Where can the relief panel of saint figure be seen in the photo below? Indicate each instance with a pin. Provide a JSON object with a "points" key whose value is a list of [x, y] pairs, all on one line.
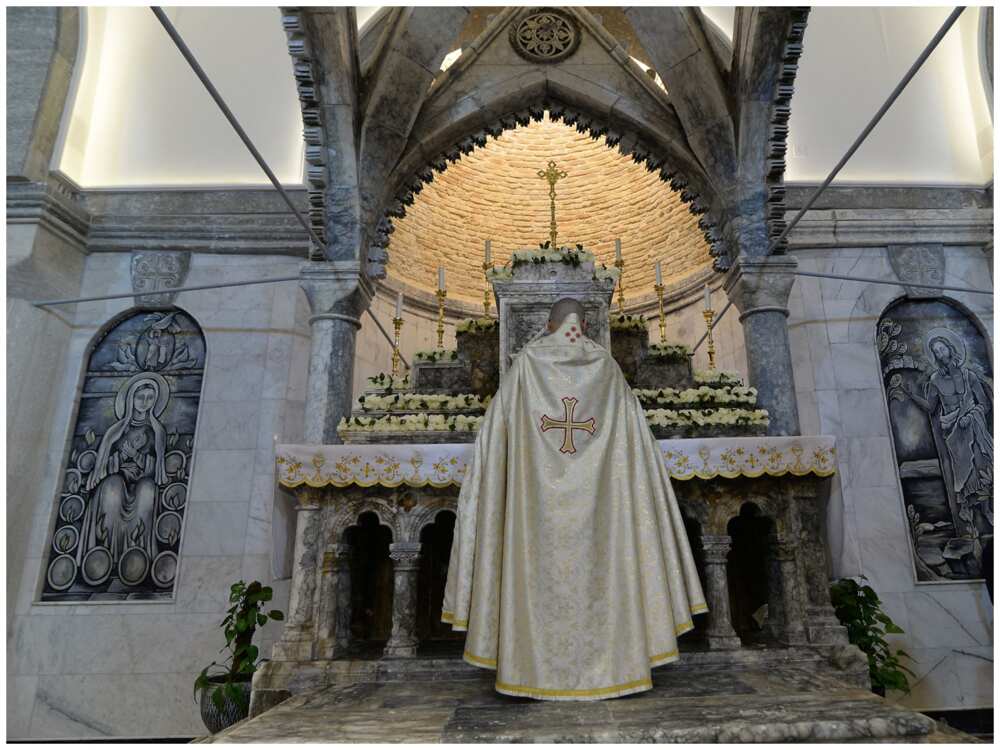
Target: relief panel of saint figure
{"points": [[121, 509], [935, 365]]}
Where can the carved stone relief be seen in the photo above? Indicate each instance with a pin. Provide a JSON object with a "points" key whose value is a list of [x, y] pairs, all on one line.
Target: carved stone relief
{"points": [[121, 508], [938, 381], [918, 264], [545, 35], [152, 272]]}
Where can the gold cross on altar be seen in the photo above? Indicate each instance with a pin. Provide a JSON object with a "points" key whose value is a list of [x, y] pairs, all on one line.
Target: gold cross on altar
{"points": [[568, 425], [552, 175]]}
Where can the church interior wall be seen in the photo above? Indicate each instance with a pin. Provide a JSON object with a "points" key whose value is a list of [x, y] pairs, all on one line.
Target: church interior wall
{"points": [[832, 329], [126, 669]]}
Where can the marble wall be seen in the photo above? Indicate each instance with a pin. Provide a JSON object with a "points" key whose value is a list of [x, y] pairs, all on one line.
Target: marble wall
{"points": [[948, 626], [126, 669]]}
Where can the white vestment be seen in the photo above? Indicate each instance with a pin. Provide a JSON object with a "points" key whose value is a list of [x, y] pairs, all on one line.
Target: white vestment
{"points": [[570, 567]]}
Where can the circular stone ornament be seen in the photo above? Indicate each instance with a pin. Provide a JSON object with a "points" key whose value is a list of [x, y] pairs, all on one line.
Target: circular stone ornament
{"points": [[96, 566], [62, 572], [545, 35], [164, 569], [133, 566]]}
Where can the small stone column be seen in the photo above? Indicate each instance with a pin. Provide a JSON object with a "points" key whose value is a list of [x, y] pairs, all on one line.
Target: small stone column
{"points": [[759, 289], [720, 624], [338, 295], [406, 564], [792, 606], [335, 602], [297, 640]]}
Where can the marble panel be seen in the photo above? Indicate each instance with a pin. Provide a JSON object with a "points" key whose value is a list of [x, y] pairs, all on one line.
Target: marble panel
{"points": [[798, 344], [228, 425], [808, 411], [838, 314], [234, 342], [174, 642], [974, 668], [855, 366], [942, 617], [298, 372], [828, 406], [65, 645], [235, 378], [871, 461], [284, 313], [96, 706], [20, 701], [205, 581], [862, 413], [821, 357], [222, 476], [216, 529], [935, 683], [274, 382]]}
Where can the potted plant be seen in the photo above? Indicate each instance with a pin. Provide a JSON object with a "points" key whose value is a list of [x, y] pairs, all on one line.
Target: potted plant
{"points": [[859, 609], [224, 689]]}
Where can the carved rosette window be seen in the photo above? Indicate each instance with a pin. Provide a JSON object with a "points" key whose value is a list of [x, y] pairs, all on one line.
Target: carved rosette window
{"points": [[545, 35], [938, 381], [121, 507]]}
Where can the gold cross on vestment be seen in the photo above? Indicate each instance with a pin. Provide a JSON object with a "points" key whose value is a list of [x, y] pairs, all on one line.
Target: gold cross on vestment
{"points": [[553, 176], [568, 425]]}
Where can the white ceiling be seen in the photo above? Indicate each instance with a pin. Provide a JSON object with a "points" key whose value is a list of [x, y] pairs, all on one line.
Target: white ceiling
{"points": [[140, 117]]}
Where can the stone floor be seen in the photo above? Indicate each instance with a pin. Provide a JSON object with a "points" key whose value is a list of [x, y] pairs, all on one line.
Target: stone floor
{"points": [[773, 703]]}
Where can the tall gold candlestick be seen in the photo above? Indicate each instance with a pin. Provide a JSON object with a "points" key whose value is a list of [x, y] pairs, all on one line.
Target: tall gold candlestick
{"points": [[709, 315], [663, 320], [397, 324], [620, 265], [441, 294], [486, 293]]}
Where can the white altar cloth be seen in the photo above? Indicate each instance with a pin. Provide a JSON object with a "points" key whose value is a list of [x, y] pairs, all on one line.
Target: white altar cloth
{"points": [[444, 464]]}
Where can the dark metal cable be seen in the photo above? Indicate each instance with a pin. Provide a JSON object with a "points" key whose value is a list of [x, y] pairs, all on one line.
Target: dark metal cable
{"points": [[949, 22]]}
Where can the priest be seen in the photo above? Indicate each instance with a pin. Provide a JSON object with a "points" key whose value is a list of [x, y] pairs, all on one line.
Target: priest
{"points": [[570, 567]]}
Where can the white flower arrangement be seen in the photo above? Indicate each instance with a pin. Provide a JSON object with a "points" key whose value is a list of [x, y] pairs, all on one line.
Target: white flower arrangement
{"points": [[717, 378], [663, 350], [435, 355], [476, 324], [604, 272], [411, 423], [627, 323], [385, 381], [414, 402], [545, 254], [703, 396], [501, 273], [707, 417]]}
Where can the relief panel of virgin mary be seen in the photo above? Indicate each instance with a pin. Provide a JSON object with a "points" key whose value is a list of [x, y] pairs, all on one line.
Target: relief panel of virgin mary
{"points": [[121, 509]]}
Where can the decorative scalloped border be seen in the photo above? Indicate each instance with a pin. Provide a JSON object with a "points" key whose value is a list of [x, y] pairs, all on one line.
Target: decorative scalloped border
{"points": [[307, 83], [781, 110]]}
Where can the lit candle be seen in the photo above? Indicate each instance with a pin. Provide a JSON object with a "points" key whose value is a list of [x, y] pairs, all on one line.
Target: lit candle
{"points": [[618, 250], [488, 248], [441, 278], [399, 305], [708, 297], [659, 274]]}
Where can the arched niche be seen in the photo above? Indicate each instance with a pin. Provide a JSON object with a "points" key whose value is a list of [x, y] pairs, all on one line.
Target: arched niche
{"points": [[121, 506], [938, 381]]}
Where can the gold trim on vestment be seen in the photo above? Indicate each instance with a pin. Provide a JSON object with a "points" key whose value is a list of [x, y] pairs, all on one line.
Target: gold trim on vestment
{"points": [[634, 686], [480, 661]]}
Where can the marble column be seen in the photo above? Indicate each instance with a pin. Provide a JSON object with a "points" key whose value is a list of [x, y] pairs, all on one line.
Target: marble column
{"points": [[822, 625], [297, 640], [792, 625], [759, 289], [338, 295], [335, 602], [720, 624], [406, 564]]}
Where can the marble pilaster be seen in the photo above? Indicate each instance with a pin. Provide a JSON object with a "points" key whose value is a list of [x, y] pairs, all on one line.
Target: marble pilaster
{"points": [[406, 565], [759, 289], [297, 639], [720, 624], [334, 619], [338, 295]]}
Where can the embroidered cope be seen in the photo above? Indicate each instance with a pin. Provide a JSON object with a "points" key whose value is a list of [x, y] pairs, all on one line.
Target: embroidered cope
{"points": [[570, 567]]}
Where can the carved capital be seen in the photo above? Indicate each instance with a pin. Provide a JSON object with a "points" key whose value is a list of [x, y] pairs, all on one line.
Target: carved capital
{"points": [[336, 290], [761, 284], [716, 548], [405, 555]]}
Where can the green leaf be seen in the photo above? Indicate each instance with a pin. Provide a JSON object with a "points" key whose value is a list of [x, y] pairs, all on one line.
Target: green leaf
{"points": [[276, 614]]}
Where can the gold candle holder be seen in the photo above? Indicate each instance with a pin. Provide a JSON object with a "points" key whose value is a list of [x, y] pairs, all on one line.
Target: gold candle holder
{"points": [[709, 315], [620, 265], [441, 294], [397, 324], [663, 319], [486, 293]]}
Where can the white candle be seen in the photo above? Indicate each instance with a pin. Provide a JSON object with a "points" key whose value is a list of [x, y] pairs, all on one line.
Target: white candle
{"points": [[618, 249], [399, 305], [441, 278], [708, 297], [659, 274], [488, 248]]}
